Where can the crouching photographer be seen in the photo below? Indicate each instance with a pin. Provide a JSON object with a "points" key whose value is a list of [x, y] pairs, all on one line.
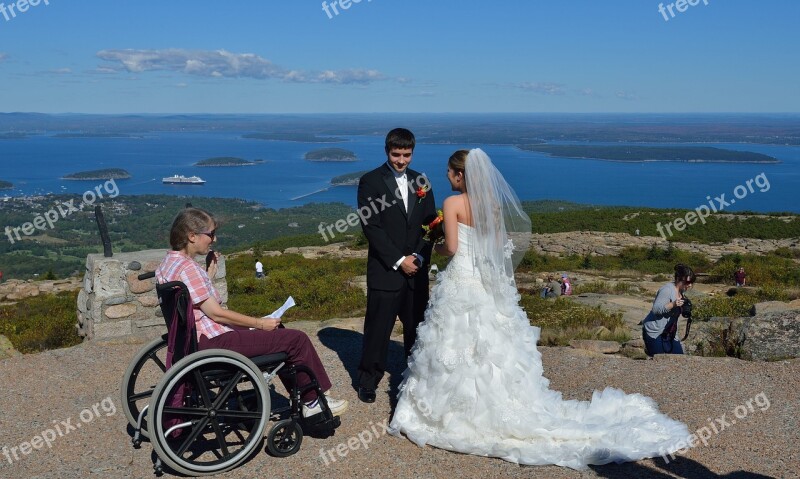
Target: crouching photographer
{"points": [[660, 326]]}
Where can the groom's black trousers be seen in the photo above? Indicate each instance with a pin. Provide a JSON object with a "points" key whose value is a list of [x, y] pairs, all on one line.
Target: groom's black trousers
{"points": [[383, 307]]}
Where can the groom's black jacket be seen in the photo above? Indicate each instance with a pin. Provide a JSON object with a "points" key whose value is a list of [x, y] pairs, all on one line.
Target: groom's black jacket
{"points": [[391, 231]]}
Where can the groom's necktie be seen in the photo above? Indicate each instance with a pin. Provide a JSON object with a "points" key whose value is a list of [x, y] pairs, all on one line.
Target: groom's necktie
{"points": [[402, 185]]}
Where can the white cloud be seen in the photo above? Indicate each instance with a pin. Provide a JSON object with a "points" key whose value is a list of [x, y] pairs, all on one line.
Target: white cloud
{"points": [[225, 64], [102, 71], [624, 95], [544, 88]]}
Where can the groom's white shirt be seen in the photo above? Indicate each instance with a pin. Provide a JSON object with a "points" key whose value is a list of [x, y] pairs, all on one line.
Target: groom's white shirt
{"points": [[402, 186]]}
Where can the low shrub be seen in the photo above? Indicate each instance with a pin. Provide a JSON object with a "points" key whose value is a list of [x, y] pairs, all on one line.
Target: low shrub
{"points": [[562, 320], [41, 323], [321, 287], [777, 268], [604, 287]]}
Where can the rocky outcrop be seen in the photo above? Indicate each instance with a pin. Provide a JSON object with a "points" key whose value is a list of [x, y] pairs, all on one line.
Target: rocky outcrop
{"points": [[769, 336], [15, 289], [595, 243], [115, 303], [336, 250]]}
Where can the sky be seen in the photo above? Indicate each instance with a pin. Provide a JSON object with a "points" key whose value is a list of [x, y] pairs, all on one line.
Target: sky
{"points": [[343, 56]]}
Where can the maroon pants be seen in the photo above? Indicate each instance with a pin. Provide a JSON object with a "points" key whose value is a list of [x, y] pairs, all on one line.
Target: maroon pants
{"points": [[290, 341]]}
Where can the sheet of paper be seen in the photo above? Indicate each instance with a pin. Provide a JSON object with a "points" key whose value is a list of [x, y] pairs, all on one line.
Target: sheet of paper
{"points": [[279, 312]]}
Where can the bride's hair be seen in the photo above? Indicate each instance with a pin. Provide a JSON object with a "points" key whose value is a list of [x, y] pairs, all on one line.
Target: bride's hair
{"points": [[458, 162]]}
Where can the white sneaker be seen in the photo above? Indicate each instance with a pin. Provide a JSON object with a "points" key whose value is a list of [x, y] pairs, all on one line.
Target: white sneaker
{"points": [[337, 407]]}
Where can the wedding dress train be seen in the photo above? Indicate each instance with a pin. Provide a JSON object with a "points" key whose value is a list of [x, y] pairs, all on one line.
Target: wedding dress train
{"points": [[475, 385]]}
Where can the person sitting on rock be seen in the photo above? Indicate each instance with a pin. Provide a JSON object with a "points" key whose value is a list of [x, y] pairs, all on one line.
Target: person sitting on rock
{"points": [[552, 289], [566, 286]]}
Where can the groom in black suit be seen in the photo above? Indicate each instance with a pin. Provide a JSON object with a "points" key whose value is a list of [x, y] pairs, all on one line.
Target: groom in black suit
{"points": [[393, 202]]}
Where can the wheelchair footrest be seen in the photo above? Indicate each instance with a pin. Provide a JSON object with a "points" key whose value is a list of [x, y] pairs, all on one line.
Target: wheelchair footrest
{"points": [[320, 425]]}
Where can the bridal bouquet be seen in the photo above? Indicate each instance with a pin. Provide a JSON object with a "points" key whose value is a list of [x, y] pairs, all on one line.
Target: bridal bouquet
{"points": [[434, 231]]}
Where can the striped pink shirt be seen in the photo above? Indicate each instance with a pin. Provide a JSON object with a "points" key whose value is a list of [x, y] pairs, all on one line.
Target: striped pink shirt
{"points": [[177, 266]]}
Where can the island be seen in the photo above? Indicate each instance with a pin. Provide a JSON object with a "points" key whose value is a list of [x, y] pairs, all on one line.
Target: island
{"points": [[106, 174], [640, 154], [227, 161], [13, 135], [298, 137], [331, 154], [95, 135], [5, 185], [349, 179]]}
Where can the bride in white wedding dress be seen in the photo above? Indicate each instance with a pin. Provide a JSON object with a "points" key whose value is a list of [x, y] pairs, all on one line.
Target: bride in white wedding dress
{"points": [[475, 383]]}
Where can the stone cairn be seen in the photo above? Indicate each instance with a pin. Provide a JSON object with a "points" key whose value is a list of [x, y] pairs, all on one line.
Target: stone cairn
{"points": [[114, 303]]}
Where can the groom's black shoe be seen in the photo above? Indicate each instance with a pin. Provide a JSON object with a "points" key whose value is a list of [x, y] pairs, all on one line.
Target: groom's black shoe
{"points": [[366, 395]]}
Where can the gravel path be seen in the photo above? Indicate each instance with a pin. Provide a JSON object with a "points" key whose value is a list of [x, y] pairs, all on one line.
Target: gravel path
{"points": [[41, 391]]}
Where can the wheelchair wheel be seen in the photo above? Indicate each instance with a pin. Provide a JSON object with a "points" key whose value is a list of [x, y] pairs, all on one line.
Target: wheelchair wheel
{"points": [[285, 438], [139, 381], [224, 410]]}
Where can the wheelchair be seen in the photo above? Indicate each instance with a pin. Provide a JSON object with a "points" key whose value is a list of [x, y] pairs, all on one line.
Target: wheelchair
{"points": [[206, 412]]}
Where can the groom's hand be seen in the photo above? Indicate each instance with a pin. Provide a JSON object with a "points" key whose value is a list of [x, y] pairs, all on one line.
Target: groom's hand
{"points": [[408, 265]]}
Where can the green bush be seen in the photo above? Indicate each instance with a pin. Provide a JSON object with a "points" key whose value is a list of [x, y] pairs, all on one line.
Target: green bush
{"points": [[773, 269], [562, 320], [738, 305], [723, 307], [645, 260], [41, 323], [321, 287], [604, 287]]}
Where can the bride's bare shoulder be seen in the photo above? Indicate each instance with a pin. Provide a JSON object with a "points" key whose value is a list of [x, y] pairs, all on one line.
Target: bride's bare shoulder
{"points": [[459, 206]]}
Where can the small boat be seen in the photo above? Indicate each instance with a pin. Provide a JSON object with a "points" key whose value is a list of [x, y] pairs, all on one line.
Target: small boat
{"points": [[183, 180]]}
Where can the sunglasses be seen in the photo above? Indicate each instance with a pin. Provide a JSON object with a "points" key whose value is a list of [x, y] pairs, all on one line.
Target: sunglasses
{"points": [[211, 234]]}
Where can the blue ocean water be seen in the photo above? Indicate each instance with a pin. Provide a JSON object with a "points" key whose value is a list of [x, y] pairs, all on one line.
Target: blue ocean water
{"points": [[285, 179]]}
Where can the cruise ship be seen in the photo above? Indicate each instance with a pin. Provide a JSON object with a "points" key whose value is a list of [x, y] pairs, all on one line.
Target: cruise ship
{"points": [[183, 180]]}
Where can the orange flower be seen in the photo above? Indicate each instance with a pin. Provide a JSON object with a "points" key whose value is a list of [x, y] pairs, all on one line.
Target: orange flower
{"points": [[422, 192], [435, 229]]}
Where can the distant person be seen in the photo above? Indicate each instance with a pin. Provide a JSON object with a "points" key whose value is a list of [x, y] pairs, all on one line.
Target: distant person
{"points": [[637, 231], [661, 324], [552, 289], [259, 269], [566, 286], [1, 276], [739, 277]]}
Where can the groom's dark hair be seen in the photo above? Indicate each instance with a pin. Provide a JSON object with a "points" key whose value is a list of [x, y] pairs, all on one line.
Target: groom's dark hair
{"points": [[400, 138]]}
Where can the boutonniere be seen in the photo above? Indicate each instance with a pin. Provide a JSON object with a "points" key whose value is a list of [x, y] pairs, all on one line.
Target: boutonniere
{"points": [[422, 192]]}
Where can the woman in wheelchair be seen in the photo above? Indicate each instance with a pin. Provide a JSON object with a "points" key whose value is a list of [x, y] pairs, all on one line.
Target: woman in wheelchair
{"points": [[192, 233]]}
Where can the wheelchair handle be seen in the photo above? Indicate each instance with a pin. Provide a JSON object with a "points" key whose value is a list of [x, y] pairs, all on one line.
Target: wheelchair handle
{"points": [[144, 276]]}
